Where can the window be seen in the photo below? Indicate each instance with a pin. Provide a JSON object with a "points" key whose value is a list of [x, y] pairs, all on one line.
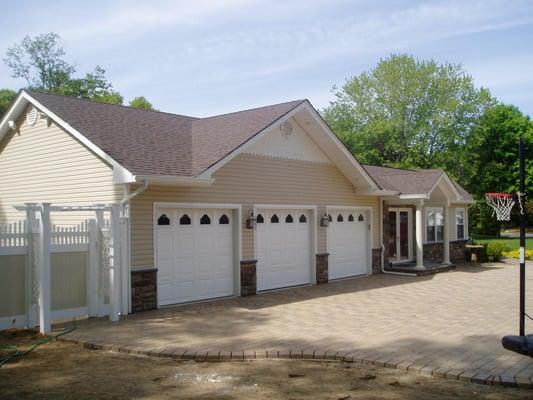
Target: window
{"points": [[289, 219], [350, 218], [185, 220], [340, 218], [223, 220], [460, 223], [205, 220], [303, 219], [163, 220], [274, 219], [434, 224], [361, 218], [260, 219]]}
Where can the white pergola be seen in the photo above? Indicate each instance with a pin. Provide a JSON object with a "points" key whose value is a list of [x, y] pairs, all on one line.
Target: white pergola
{"points": [[39, 231]]}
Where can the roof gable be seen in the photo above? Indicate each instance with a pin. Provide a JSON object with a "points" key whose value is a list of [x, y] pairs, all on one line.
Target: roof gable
{"points": [[415, 182], [294, 144], [143, 144]]}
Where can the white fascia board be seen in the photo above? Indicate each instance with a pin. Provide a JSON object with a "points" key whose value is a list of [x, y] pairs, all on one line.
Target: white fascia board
{"points": [[341, 146], [378, 193], [414, 196], [243, 147], [467, 202], [450, 184], [12, 113], [120, 174], [170, 180]]}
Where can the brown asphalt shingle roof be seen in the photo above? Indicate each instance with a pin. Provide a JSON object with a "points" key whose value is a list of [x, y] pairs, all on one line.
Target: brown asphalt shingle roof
{"points": [[156, 143], [408, 181]]}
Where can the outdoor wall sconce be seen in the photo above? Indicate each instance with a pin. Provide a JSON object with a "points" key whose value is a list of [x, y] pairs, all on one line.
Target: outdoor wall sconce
{"points": [[251, 221], [324, 221]]}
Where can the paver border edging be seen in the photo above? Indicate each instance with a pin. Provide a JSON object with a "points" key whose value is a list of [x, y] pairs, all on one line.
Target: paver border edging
{"points": [[356, 357]]}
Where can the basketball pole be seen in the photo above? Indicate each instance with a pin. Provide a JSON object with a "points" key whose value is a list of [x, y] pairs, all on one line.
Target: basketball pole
{"points": [[522, 151]]}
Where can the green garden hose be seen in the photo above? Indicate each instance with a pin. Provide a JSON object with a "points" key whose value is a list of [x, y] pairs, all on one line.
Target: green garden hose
{"points": [[16, 353]]}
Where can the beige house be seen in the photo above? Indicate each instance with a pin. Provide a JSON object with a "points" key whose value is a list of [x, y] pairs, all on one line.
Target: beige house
{"points": [[228, 205]]}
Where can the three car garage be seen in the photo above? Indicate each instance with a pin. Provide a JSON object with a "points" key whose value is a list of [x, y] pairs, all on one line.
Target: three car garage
{"points": [[197, 249]]}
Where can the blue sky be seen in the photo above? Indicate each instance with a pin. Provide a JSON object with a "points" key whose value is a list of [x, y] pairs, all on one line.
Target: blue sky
{"points": [[206, 57]]}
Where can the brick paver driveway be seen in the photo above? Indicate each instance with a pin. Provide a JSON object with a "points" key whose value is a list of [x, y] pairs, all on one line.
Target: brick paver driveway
{"points": [[448, 325]]}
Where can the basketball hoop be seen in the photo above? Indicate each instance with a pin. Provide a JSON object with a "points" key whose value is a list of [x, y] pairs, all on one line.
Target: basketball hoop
{"points": [[502, 204]]}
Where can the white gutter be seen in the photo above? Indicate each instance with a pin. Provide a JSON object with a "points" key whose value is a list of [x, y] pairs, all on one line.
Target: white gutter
{"points": [[172, 180], [383, 270]]}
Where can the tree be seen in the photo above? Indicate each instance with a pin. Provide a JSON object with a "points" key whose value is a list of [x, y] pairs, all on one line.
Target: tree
{"points": [[6, 97], [408, 113], [39, 61], [141, 102], [493, 158]]}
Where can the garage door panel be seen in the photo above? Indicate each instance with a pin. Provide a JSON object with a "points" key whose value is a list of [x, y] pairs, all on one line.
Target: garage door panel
{"points": [[195, 255], [183, 267], [165, 269], [184, 242], [165, 293], [347, 244], [283, 249]]}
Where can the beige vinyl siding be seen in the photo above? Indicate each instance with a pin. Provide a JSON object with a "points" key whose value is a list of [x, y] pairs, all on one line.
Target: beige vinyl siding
{"points": [[249, 180], [45, 163]]}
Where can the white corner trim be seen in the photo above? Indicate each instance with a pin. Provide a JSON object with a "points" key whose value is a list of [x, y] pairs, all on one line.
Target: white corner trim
{"points": [[21, 102]]}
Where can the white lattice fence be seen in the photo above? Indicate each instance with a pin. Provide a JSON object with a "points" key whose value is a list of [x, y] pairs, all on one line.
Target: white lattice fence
{"points": [[47, 254]]}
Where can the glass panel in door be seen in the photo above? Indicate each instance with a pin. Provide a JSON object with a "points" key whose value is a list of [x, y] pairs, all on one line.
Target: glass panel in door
{"points": [[393, 254], [404, 235]]}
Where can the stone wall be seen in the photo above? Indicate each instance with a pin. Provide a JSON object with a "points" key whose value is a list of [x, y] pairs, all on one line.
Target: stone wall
{"points": [[458, 250], [248, 278], [144, 290], [322, 268], [434, 252], [376, 261]]}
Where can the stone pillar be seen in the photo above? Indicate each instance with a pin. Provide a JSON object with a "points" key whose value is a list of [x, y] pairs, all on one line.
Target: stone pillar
{"points": [[376, 261], [322, 269], [143, 289], [419, 234], [248, 278], [446, 235]]}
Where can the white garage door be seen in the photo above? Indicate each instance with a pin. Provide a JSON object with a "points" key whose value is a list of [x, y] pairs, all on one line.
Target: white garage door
{"points": [[347, 243], [283, 248], [194, 254]]}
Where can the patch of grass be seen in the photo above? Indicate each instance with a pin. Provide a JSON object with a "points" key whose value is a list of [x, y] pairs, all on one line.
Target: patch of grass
{"points": [[511, 243]]}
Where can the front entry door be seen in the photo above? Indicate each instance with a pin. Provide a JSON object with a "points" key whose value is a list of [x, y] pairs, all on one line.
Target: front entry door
{"points": [[400, 235]]}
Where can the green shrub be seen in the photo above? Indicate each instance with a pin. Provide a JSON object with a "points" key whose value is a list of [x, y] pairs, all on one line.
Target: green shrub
{"points": [[495, 251]]}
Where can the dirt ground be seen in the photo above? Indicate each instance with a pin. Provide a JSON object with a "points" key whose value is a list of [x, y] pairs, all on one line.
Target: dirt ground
{"points": [[61, 370]]}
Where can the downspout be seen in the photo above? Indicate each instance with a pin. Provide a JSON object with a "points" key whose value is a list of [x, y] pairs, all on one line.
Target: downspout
{"points": [[383, 270]]}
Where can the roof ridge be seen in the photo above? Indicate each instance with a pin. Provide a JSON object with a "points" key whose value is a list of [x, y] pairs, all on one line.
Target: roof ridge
{"points": [[407, 170], [253, 108], [30, 92]]}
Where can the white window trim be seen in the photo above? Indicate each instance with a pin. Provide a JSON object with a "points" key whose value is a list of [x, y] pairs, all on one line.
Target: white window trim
{"points": [[465, 223], [426, 212]]}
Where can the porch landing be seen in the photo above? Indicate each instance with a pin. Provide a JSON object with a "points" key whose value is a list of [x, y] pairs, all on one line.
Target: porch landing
{"points": [[428, 268]]}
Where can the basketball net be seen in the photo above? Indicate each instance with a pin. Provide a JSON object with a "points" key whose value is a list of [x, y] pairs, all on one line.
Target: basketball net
{"points": [[502, 204]]}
